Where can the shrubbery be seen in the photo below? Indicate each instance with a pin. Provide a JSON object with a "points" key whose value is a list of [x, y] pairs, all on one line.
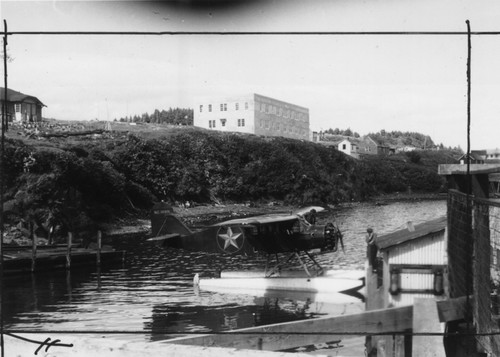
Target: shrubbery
{"points": [[97, 180]]}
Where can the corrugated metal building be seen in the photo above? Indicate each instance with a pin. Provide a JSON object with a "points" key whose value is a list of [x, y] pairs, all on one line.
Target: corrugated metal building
{"points": [[413, 264]]}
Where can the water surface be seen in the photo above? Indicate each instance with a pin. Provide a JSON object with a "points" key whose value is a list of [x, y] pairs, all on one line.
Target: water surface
{"points": [[151, 296]]}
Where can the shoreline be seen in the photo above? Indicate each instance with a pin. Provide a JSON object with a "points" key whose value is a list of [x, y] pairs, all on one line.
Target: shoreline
{"points": [[204, 215]]}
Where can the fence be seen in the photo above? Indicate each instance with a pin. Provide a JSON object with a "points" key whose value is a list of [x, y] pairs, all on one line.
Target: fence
{"points": [[474, 263]]}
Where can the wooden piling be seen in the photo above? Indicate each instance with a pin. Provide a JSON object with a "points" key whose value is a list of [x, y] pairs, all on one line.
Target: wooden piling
{"points": [[68, 251], [99, 247], [33, 252]]}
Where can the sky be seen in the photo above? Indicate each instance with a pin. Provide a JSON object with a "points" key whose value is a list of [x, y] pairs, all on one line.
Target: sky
{"points": [[362, 81]]}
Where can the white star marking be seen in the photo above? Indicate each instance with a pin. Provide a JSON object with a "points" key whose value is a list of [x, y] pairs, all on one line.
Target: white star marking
{"points": [[230, 238]]}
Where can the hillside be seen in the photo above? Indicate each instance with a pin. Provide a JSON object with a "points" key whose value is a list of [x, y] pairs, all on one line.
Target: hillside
{"points": [[89, 175]]}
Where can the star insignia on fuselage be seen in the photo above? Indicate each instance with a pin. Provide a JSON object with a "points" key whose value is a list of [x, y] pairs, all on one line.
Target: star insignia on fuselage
{"points": [[232, 240]]}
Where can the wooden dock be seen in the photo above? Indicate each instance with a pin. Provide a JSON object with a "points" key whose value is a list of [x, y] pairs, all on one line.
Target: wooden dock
{"points": [[34, 258], [21, 261]]}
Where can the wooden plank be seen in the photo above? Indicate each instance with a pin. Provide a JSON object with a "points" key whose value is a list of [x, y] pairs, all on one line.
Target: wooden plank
{"points": [[426, 320], [452, 309], [300, 333], [94, 345]]}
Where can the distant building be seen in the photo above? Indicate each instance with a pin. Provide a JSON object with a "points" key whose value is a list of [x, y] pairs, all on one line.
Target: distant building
{"points": [[357, 147], [350, 147], [490, 156], [475, 157], [369, 146], [253, 114], [493, 155], [406, 149], [21, 107]]}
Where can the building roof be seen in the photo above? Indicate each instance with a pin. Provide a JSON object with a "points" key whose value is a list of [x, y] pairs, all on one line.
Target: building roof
{"points": [[478, 156], [15, 96], [404, 235], [461, 169]]}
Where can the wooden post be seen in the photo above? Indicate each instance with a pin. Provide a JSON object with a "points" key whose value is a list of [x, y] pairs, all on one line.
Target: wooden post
{"points": [[33, 252], [99, 246], [68, 251]]}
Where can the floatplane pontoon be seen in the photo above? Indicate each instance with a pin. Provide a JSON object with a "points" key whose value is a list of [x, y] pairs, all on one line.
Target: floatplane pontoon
{"points": [[333, 286]]}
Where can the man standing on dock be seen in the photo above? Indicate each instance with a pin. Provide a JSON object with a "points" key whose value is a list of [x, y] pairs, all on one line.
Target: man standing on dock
{"points": [[372, 249]]}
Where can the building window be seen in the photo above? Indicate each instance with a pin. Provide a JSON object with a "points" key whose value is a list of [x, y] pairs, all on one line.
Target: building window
{"points": [[263, 108], [246, 105], [17, 107], [241, 122], [223, 107], [211, 123], [223, 122], [201, 108], [280, 112], [210, 107], [237, 106]]}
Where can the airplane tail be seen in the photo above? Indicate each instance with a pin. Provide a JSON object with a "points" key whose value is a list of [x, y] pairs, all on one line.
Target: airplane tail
{"points": [[170, 224], [163, 221]]}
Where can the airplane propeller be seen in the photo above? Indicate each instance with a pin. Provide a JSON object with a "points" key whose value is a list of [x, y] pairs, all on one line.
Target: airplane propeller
{"points": [[341, 238]]}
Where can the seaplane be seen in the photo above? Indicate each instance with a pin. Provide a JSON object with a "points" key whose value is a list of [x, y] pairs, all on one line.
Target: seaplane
{"points": [[293, 234]]}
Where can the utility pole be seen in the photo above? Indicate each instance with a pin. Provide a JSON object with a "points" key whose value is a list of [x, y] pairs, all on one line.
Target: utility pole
{"points": [[2, 183]]}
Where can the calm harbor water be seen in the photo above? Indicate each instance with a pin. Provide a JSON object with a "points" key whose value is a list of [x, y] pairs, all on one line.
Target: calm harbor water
{"points": [[151, 296]]}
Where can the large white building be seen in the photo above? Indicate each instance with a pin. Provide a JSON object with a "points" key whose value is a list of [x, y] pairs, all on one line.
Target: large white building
{"points": [[253, 114]]}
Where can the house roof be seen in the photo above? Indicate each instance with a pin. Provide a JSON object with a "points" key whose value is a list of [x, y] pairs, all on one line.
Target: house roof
{"points": [[473, 155], [15, 96], [404, 235]]}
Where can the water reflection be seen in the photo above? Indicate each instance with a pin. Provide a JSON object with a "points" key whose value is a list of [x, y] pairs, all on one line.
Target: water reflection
{"points": [[152, 293]]}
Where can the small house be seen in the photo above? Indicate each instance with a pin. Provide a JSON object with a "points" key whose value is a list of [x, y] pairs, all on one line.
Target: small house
{"points": [[368, 146], [493, 156], [21, 107], [349, 147], [475, 157]]}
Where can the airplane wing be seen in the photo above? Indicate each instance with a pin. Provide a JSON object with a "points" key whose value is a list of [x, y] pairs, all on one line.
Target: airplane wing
{"points": [[305, 210], [270, 218], [263, 219]]}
